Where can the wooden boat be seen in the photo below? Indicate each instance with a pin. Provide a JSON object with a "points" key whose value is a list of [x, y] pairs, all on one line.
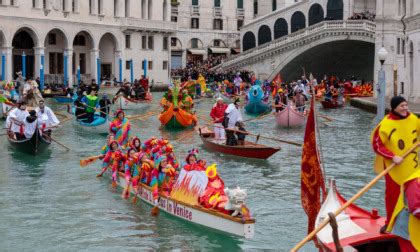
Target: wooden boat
{"points": [[289, 117], [63, 99], [249, 149], [331, 104], [100, 125], [175, 118], [34, 145], [195, 213], [125, 103], [357, 227]]}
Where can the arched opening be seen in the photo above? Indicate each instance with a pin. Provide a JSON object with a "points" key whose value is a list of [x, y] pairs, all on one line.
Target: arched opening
{"points": [[335, 10], [23, 43], [195, 52], [107, 55], [176, 53], [82, 46], [264, 35], [55, 44], [248, 41], [280, 28], [411, 59], [316, 14], [298, 22]]}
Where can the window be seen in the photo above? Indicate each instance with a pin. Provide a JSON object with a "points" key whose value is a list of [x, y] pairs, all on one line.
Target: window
{"points": [[194, 43], [90, 7], [173, 42], [150, 65], [274, 3], [64, 5], [73, 6], [150, 44], [127, 41], [174, 19], [165, 43], [82, 63], [218, 24], [216, 43], [79, 40], [195, 24], [194, 2], [255, 7], [402, 46], [240, 4], [127, 8], [398, 45], [100, 7], [33, 3], [44, 4], [165, 65], [12, 2], [52, 39], [127, 65], [216, 3], [115, 8], [143, 42], [240, 23], [55, 63]]}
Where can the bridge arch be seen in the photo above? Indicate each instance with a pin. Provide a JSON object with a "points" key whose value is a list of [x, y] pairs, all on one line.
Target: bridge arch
{"points": [[248, 41], [335, 9], [264, 34], [298, 22], [315, 14], [280, 28]]}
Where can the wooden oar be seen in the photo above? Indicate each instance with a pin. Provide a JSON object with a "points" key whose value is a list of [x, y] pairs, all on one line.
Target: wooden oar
{"points": [[326, 118], [353, 199], [96, 110], [55, 141], [261, 116], [270, 138], [89, 160]]}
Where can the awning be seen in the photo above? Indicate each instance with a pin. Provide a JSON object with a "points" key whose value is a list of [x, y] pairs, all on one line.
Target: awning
{"points": [[236, 50], [197, 51], [219, 50]]}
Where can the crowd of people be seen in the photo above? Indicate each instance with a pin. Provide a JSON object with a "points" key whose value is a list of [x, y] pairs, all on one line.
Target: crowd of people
{"points": [[366, 15]]}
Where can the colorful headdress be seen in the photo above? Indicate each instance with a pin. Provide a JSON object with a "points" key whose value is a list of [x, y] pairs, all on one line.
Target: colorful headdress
{"points": [[193, 152], [158, 161], [211, 171]]}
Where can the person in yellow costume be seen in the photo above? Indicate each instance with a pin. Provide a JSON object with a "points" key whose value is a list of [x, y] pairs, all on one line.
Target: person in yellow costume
{"points": [[202, 81], [393, 136]]}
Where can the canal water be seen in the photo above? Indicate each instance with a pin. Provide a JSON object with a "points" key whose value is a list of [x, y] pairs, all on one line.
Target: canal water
{"points": [[49, 202]]}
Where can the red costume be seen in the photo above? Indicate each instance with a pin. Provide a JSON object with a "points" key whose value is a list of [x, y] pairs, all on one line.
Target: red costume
{"points": [[218, 112]]}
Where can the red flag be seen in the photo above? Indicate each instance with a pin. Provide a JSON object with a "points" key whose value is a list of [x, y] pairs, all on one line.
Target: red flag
{"points": [[312, 181]]}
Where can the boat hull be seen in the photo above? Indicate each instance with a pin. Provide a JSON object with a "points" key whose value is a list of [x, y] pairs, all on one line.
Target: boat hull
{"points": [[195, 214], [290, 118], [35, 145], [98, 126], [248, 150], [128, 104], [331, 105]]}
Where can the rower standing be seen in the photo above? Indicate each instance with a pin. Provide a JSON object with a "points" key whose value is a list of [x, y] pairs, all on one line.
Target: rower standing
{"points": [[16, 119], [232, 116], [91, 102], [217, 113], [46, 116]]}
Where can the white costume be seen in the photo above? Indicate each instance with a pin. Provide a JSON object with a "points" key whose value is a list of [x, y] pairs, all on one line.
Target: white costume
{"points": [[46, 117], [30, 128], [16, 119], [234, 115]]}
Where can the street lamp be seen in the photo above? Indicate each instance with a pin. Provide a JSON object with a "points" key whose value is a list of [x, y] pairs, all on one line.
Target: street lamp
{"points": [[382, 54]]}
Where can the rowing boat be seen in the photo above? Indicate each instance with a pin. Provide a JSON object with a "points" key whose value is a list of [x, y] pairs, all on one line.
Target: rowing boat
{"points": [[34, 145], [331, 104], [249, 149], [100, 125], [125, 103], [357, 227], [63, 99], [289, 117], [194, 213]]}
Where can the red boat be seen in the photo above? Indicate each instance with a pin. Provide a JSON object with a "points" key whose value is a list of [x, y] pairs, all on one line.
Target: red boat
{"points": [[249, 149], [331, 104], [357, 228]]}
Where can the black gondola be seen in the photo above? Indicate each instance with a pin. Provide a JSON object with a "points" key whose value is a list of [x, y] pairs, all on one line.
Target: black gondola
{"points": [[34, 145]]}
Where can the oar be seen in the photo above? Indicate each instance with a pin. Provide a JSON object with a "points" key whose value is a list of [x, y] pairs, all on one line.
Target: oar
{"points": [[89, 160], [326, 117], [261, 116], [155, 211], [55, 141], [138, 189], [96, 110], [270, 138], [353, 199]]}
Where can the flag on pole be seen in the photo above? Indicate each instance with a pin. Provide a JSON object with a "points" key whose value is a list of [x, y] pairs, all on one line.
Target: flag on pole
{"points": [[312, 179]]}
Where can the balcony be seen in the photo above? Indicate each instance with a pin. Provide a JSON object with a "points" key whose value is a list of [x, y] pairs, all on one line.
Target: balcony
{"points": [[174, 10], [217, 11], [240, 13], [195, 10]]}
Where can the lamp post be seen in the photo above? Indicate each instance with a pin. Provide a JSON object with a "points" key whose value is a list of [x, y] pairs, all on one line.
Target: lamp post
{"points": [[382, 54]]}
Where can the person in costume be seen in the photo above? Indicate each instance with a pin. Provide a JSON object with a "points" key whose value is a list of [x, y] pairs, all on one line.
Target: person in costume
{"points": [[280, 100], [91, 103], [131, 170], [214, 196], [392, 137], [114, 158], [120, 127], [232, 116], [158, 176], [192, 163], [15, 120], [135, 143], [146, 167], [202, 82], [30, 124], [217, 113], [187, 102], [46, 117]]}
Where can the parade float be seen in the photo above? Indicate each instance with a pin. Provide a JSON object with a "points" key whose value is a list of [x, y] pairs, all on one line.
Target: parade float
{"points": [[255, 104]]}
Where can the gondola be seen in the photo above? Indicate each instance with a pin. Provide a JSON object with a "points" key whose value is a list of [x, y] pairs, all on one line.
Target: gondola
{"points": [[34, 145], [331, 104], [248, 150], [289, 117], [125, 103]]}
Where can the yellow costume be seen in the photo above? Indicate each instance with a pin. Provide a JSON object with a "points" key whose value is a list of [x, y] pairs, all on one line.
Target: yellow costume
{"points": [[202, 81]]}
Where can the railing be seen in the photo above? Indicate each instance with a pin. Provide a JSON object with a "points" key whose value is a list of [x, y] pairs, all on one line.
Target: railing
{"points": [[240, 13], [338, 25], [195, 10], [217, 11], [148, 24]]}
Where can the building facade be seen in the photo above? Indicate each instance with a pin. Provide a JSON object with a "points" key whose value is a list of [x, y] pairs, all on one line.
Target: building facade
{"points": [[57, 39]]}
